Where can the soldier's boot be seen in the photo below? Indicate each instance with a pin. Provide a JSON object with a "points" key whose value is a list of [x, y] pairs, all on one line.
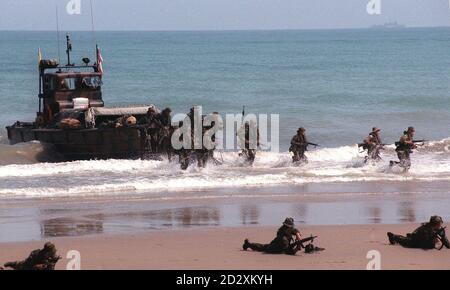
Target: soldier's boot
{"points": [[245, 245], [255, 246], [391, 238], [12, 265], [398, 239]]}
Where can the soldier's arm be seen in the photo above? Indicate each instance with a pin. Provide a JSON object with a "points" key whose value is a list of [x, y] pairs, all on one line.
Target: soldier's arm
{"points": [[298, 235], [403, 139]]}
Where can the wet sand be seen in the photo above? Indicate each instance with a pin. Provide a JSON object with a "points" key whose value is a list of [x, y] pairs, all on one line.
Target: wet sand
{"points": [[348, 203], [184, 230], [220, 248]]}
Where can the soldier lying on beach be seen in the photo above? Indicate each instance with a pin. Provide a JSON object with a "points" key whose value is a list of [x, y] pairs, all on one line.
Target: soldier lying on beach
{"points": [[40, 259], [428, 236], [283, 243]]}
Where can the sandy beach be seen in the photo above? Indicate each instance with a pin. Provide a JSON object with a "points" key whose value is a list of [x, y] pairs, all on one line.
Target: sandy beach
{"points": [[220, 248]]}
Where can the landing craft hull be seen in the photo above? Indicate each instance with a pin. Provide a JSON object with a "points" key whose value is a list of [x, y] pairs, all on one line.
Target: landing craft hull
{"points": [[85, 144]]}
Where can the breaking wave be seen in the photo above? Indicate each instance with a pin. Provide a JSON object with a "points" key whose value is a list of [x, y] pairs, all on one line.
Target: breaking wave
{"points": [[431, 162]]}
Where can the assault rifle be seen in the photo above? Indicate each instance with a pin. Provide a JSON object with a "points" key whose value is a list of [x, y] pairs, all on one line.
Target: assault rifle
{"points": [[364, 145], [414, 141], [302, 241], [304, 146], [313, 144], [440, 236]]}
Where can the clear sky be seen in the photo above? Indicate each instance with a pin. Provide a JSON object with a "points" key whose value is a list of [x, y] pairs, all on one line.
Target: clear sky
{"points": [[220, 14]]}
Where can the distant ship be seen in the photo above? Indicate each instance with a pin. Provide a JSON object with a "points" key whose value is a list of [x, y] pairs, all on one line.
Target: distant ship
{"points": [[388, 25]]}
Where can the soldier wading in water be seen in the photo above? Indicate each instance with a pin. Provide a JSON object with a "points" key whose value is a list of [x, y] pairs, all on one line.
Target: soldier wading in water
{"points": [[248, 134], [404, 149], [299, 145], [373, 145]]}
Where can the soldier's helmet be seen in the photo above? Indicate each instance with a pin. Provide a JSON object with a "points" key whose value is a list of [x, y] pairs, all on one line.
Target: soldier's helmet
{"points": [[411, 129], [301, 129], [289, 222], [50, 248], [436, 220], [376, 129], [131, 121]]}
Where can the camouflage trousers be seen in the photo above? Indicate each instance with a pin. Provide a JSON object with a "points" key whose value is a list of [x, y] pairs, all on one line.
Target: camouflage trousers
{"points": [[403, 241], [404, 159], [274, 249], [409, 242], [373, 152], [299, 156]]}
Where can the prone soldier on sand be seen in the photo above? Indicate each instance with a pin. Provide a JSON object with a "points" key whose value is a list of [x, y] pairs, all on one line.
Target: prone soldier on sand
{"points": [[40, 259], [284, 241], [428, 236]]}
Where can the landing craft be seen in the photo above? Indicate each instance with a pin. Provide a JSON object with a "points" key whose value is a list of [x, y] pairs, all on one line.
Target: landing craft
{"points": [[72, 116], [73, 120]]}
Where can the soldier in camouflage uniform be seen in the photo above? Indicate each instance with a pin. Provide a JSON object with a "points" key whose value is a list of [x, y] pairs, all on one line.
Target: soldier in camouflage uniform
{"points": [[404, 149], [373, 145], [165, 132], [150, 126], [246, 133], [281, 244], [424, 237], [299, 145], [44, 259]]}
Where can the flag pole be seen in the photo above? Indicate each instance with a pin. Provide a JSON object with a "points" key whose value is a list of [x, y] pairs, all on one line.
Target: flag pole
{"points": [[40, 78]]}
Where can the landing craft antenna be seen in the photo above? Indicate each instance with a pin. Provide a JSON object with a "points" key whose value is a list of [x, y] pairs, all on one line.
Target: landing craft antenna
{"points": [[94, 41], [57, 33]]}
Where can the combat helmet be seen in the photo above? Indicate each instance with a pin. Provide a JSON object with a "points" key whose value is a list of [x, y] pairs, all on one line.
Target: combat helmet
{"points": [[436, 220], [289, 222]]}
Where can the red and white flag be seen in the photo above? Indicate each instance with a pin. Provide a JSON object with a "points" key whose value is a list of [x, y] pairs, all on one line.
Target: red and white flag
{"points": [[99, 61]]}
